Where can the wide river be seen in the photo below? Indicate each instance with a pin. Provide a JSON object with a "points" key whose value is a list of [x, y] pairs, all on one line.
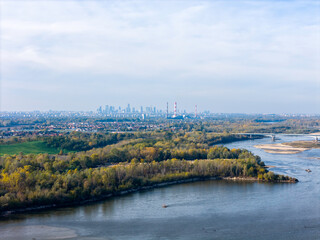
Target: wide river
{"points": [[199, 210]]}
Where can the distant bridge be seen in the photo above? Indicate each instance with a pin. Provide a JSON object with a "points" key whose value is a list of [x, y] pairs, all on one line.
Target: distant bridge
{"points": [[316, 137]]}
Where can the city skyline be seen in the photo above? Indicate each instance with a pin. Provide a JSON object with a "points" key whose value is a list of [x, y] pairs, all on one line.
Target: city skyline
{"points": [[76, 55], [142, 108]]}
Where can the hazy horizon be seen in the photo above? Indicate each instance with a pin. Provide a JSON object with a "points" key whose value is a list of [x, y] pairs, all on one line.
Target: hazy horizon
{"points": [[224, 56], [163, 108]]}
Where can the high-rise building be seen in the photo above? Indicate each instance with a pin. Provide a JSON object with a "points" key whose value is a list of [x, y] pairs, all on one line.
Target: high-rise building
{"points": [[128, 110]]}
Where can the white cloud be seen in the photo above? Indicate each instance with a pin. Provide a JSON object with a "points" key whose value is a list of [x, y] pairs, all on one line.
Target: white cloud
{"points": [[180, 41]]}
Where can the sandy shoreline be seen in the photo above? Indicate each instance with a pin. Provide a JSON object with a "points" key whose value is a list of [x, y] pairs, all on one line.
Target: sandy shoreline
{"points": [[269, 166], [289, 147], [280, 148], [316, 133], [37, 232]]}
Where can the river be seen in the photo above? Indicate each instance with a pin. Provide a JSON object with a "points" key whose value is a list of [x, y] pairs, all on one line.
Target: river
{"points": [[200, 210]]}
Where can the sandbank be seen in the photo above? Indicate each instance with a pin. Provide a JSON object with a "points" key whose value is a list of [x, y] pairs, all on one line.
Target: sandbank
{"points": [[316, 133], [280, 148], [37, 232]]}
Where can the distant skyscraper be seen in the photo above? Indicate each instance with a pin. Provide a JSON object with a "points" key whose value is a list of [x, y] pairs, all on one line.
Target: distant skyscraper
{"points": [[128, 110]]}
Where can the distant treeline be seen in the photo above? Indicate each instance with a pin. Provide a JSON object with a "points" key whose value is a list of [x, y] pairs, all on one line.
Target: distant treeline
{"points": [[77, 141]]}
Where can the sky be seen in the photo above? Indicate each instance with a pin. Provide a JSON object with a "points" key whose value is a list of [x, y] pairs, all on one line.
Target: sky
{"points": [[225, 56]]}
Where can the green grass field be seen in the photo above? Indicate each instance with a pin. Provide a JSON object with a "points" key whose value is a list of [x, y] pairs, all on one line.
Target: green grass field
{"points": [[27, 147]]}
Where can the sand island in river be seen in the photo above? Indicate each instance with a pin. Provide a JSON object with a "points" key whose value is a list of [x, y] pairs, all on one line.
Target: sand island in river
{"points": [[289, 148]]}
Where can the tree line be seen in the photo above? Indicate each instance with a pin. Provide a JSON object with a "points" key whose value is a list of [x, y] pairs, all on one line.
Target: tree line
{"points": [[42, 179]]}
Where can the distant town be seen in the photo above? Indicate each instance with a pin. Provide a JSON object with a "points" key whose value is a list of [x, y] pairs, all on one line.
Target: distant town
{"points": [[131, 119], [142, 112], [148, 112]]}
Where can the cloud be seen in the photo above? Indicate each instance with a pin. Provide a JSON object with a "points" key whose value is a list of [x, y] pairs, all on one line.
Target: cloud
{"points": [[213, 44]]}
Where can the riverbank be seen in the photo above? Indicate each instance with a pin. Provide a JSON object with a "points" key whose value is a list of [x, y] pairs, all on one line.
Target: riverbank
{"points": [[288, 147], [280, 148], [303, 144], [139, 189], [316, 133], [104, 197]]}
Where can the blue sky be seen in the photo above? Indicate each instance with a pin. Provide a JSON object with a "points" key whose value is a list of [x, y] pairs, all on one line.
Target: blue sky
{"points": [[224, 56]]}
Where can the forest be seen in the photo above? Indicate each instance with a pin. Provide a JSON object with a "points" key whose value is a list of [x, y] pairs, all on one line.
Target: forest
{"points": [[78, 141], [127, 162]]}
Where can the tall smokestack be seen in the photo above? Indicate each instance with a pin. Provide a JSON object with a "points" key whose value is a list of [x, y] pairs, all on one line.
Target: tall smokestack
{"points": [[175, 109], [167, 110]]}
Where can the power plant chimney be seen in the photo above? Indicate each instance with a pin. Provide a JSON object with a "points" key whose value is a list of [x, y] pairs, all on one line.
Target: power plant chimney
{"points": [[167, 110], [175, 110]]}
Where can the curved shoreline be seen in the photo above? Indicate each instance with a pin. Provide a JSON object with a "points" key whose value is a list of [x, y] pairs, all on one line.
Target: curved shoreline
{"points": [[142, 188]]}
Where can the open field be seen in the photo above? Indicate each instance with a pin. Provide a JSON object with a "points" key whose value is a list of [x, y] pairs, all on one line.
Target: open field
{"points": [[28, 147]]}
